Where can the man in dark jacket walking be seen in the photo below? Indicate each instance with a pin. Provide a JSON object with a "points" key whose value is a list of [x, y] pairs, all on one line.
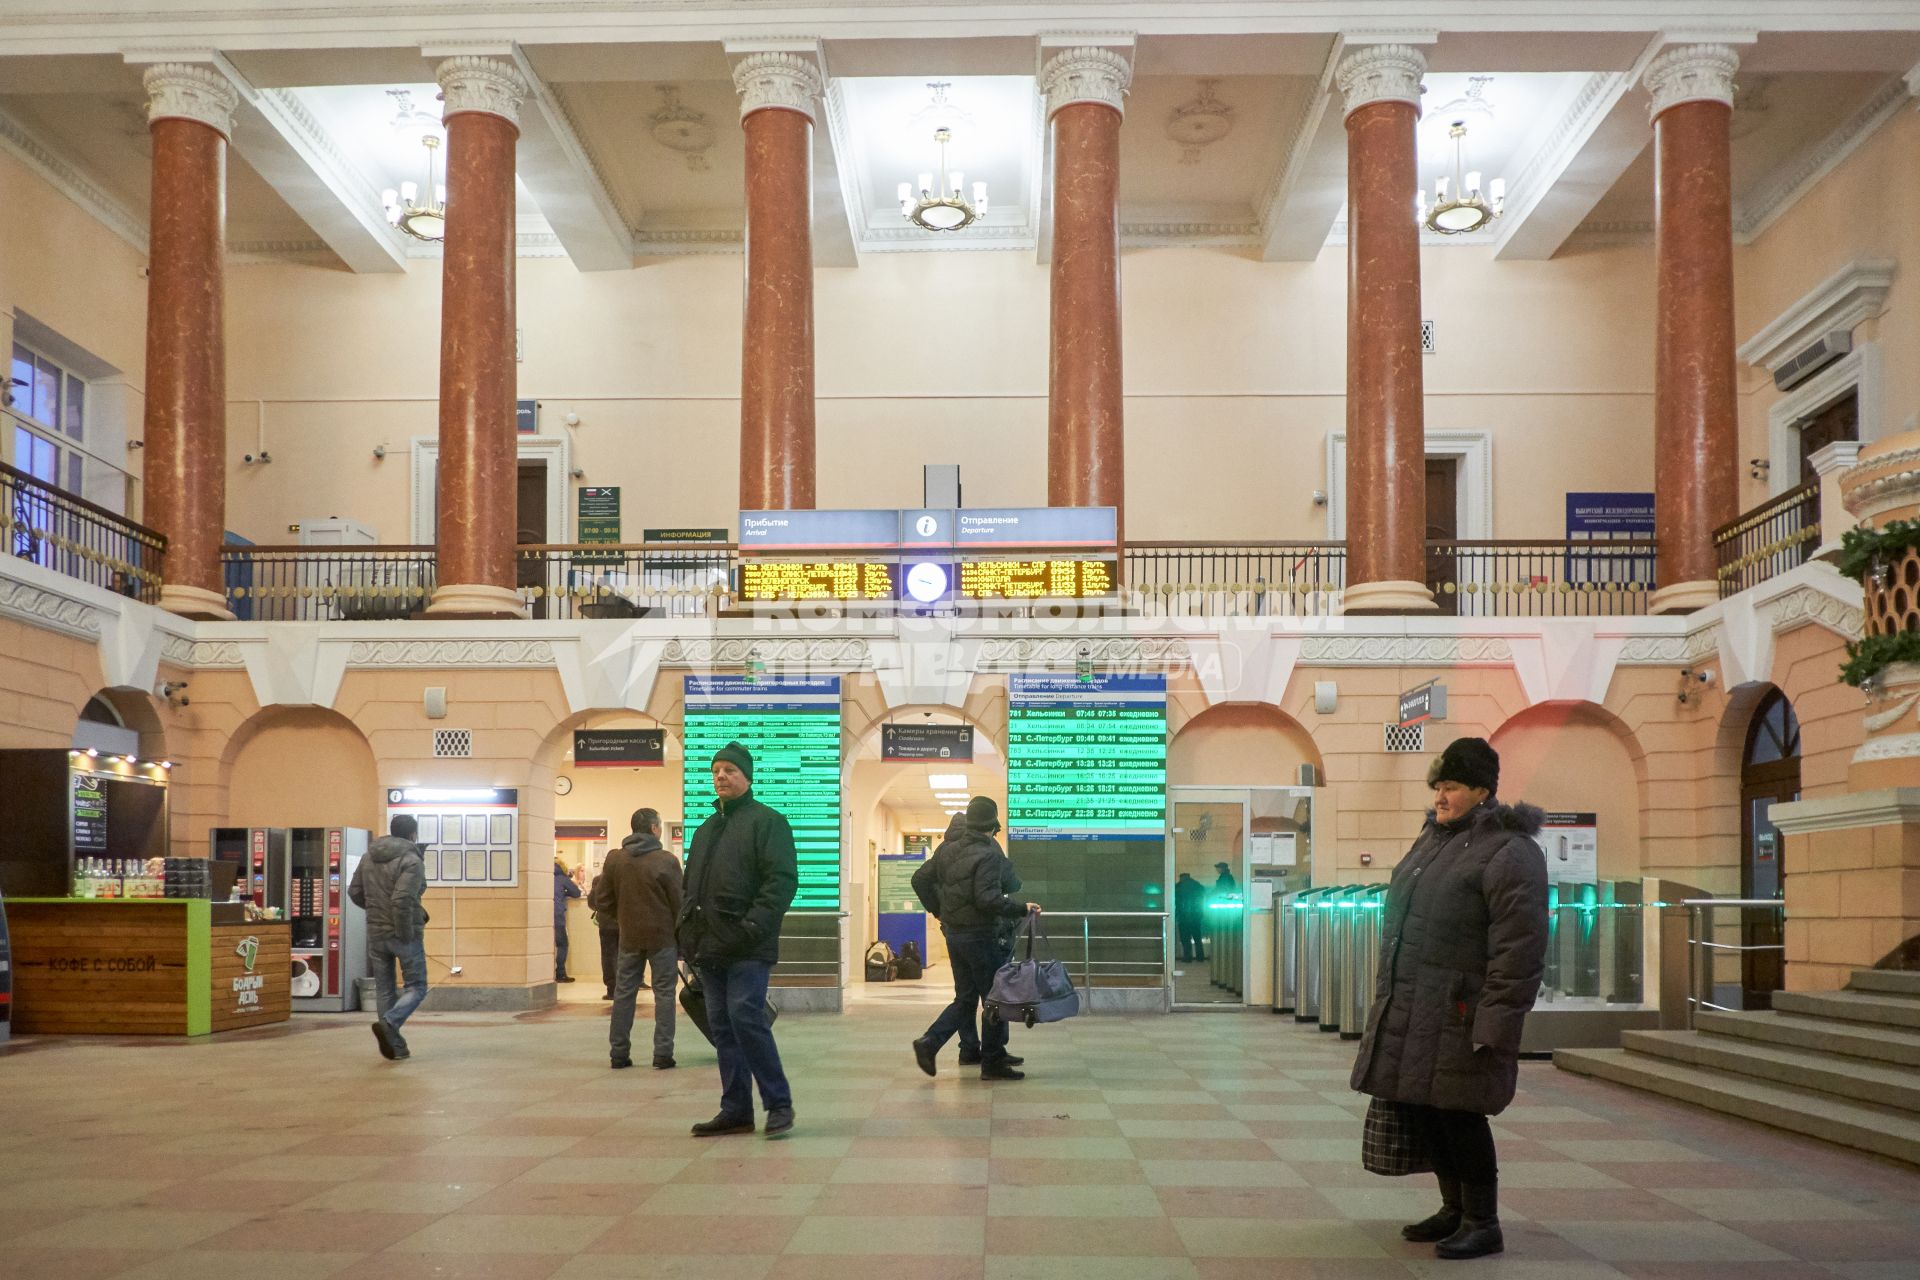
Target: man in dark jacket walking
{"points": [[741, 877], [964, 886], [1190, 916], [388, 885], [640, 888], [563, 888]]}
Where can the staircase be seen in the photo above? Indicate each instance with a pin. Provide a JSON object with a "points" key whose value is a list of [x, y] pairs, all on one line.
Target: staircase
{"points": [[1843, 1066]]}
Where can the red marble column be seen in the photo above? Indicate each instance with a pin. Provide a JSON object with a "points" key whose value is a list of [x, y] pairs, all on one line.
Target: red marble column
{"points": [[777, 96], [1695, 427], [190, 114], [1386, 424], [476, 492], [1086, 436]]}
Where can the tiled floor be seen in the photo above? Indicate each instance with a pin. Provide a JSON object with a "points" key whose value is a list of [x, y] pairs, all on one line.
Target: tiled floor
{"points": [[1195, 1145]]}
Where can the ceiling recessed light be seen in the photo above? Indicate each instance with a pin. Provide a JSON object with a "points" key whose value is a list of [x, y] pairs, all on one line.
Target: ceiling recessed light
{"points": [[947, 781]]}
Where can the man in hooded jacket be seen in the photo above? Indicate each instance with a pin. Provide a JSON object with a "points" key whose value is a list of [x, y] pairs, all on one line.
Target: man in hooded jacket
{"points": [[640, 887], [388, 885], [964, 886]]}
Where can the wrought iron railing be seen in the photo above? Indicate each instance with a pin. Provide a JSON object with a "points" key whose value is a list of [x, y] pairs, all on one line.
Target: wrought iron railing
{"points": [[1544, 579], [1779, 534], [1235, 579], [642, 580], [317, 584], [64, 532]]}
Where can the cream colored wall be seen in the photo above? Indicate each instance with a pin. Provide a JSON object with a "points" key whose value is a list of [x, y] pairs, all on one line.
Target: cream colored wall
{"points": [[272, 782], [1569, 758], [1863, 209], [1234, 375]]}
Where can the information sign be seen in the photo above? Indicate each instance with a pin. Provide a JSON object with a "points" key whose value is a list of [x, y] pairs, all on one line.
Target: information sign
{"points": [[89, 813], [620, 748], [926, 742], [708, 534], [764, 580], [804, 530], [468, 836], [599, 523], [526, 416], [792, 727], [1037, 579], [1571, 842], [1614, 513], [1087, 761], [895, 889], [1428, 702]]}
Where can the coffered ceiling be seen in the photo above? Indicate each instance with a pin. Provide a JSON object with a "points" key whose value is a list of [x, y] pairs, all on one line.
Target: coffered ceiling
{"points": [[631, 144]]}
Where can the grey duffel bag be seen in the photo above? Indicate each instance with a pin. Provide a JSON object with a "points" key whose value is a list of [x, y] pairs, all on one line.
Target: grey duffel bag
{"points": [[1029, 990]]}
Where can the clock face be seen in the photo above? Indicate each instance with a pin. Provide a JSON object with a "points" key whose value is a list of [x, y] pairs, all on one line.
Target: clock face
{"points": [[562, 785], [926, 582]]}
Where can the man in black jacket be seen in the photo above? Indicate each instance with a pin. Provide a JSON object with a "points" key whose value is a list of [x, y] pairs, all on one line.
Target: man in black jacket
{"points": [[741, 878], [964, 886], [388, 884]]}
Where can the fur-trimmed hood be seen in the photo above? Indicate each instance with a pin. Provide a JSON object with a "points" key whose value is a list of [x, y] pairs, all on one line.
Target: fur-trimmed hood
{"points": [[1519, 816]]}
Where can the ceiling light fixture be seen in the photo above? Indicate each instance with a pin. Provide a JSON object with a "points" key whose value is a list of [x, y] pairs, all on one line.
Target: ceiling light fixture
{"points": [[1460, 206], [421, 221], [947, 781], [945, 208]]}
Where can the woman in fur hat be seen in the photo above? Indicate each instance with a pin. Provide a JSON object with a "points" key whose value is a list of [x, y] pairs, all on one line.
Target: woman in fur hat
{"points": [[1462, 943]]}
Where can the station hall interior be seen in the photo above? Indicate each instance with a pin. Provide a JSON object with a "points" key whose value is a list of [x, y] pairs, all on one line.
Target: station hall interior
{"points": [[1177, 424]]}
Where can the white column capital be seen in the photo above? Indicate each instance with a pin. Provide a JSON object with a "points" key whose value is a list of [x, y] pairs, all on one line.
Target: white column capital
{"points": [[472, 82], [1086, 74], [186, 91], [1691, 73], [1381, 73], [772, 78]]}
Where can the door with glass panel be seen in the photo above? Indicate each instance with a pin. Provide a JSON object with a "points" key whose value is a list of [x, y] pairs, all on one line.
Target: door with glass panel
{"points": [[1206, 899]]}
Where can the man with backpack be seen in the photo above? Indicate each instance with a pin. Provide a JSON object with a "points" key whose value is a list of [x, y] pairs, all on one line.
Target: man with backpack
{"points": [[964, 887]]}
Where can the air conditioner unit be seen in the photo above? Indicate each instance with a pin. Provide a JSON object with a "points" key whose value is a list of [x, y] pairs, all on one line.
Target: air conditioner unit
{"points": [[1806, 363]]}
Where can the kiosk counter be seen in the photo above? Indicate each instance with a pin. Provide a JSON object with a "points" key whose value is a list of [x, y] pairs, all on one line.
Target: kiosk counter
{"points": [[145, 966]]}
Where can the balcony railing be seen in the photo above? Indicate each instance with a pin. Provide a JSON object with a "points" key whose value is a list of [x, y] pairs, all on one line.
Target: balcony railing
{"points": [[1779, 534], [66, 533], [1546, 579], [1484, 579]]}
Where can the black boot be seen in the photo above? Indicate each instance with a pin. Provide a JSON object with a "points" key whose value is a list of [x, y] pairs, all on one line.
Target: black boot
{"points": [[1442, 1224], [1479, 1233]]}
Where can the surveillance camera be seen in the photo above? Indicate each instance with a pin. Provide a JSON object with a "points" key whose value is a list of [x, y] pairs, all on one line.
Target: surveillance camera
{"points": [[380, 451], [1319, 497], [456, 970], [572, 419], [247, 458], [577, 473], [135, 444]]}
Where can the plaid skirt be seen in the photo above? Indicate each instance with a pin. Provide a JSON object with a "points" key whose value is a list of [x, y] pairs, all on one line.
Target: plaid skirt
{"points": [[1392, 1142]]}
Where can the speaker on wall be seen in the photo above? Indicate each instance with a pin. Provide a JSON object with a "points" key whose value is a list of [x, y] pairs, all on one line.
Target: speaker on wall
{"points": [[1309, 776]]}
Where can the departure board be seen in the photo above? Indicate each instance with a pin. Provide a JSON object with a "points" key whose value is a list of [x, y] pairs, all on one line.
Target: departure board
{"points": [[815, 580], [1036, 579], [1087, 760], [792, 728]]}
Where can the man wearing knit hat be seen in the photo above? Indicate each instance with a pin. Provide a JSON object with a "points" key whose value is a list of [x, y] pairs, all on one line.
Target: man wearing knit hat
{"points": [[964, 886], [741, 878]]}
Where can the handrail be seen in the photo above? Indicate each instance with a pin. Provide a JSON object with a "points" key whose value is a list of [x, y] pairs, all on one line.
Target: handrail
{"points": [[74, 499], [1760, 513], [1701, 947], [68, 534], [1088, 938], [1768, 540]]}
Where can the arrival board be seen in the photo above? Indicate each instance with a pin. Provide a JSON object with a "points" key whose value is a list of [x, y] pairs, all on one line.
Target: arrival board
{"points": [[792, 728], [1087, 760]]}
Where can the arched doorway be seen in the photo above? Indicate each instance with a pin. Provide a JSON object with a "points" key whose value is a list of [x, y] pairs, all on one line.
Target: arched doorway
{"points": [[1769, 775]]}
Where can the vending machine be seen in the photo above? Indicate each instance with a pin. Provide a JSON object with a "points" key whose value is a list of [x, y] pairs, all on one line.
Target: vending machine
{"points": [[304, 872]]}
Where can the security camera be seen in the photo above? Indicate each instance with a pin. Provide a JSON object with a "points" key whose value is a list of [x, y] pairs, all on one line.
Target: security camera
{"points": [[571, 419], [135, 444], [247, 458], [577, 473], [380, 451]]}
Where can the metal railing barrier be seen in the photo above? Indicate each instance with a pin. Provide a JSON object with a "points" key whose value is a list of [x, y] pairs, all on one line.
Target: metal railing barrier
{"points": [[64, 532], [1767, 541], [1704, 950]]}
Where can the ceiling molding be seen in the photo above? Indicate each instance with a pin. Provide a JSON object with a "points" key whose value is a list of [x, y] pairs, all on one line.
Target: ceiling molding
{"points": [[669, 242], [566, 182], [1294, 222], [839, 212], [1783, 188], [46, 162]]}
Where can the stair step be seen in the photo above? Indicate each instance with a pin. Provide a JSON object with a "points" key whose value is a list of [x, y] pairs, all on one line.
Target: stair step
{"points": [[1852, 1039], [1862, 1126], [1842, 1077], [1900, 982], [1851, 1006]]}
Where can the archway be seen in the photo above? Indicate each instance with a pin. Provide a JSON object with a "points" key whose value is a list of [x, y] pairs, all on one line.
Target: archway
{"points": [[1576, 758], [123, 721], [301, 767]]}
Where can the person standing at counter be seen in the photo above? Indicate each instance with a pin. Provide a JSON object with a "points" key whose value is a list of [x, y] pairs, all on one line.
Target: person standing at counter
{"points": [[640, 889], [742, 873], [388, 885], [563, 888]]}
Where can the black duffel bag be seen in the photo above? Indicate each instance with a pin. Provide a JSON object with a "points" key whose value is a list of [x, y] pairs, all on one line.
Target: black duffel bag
{"points": [[693, 999]]}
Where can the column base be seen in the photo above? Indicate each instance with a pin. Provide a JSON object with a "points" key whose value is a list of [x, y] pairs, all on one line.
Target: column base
{"points": [[1684, 597], [475, 600], [194, 602], [1387, 597]]}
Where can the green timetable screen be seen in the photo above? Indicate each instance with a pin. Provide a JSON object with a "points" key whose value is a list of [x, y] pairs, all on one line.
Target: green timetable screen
{"points": [[792, 727], [1087, 760]]}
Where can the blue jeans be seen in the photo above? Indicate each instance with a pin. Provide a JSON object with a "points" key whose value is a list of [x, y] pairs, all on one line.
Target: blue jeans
{"points": [[382, 955], [559, 947], [737, 1018], [976, 956]]}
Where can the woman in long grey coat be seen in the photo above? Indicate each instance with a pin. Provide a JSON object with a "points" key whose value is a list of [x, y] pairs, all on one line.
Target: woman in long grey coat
{"points": [[1463, 938]]}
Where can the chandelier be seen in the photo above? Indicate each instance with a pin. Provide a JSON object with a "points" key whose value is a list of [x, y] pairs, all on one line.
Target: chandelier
{"points": [[944, 208], [404, 210], [1460, 205]]}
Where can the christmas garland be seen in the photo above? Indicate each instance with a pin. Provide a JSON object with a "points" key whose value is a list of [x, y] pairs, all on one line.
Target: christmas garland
{"points": [[1868, 657], [1861, 548]]}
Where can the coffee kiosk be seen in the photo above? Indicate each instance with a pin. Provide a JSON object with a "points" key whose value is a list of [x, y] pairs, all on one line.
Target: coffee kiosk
{"points": [[105, 938]]}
